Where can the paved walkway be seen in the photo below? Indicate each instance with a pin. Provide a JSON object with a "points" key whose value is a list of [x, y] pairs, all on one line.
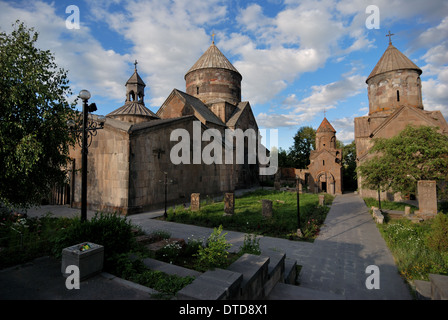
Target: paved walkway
{"points": [[337, 260], [348, 243], [335, 263]]}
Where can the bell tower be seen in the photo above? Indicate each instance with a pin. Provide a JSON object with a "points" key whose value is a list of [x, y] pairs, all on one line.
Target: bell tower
{"points": [[135, 87]]}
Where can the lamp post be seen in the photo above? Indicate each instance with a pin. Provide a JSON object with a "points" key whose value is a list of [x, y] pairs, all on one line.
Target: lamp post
{"points": [[165, 182], [299, 229], [87, 131]]}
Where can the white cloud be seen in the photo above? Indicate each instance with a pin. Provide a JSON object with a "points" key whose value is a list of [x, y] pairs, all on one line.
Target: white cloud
{"points": [[89, 65], [322, 98]]}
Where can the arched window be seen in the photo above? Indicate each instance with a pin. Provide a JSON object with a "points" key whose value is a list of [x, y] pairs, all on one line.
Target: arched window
{"points": [[131, 96]]}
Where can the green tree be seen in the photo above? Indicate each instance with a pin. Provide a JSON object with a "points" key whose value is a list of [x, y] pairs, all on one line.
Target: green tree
{"points": [[304, 142], [34, 139], [417, 153], [285, 159], [349, 166]]}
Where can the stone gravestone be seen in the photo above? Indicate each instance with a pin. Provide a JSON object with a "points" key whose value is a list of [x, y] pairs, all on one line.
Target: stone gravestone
{"points": [[321, 199], [407, 211], [229, 200], [427, 199], [194, 204], [266, 208]]}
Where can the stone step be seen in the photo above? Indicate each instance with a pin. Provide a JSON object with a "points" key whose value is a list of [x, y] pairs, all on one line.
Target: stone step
{"points": [[439, 286], [255, 274], [217, 284], [290, 275], [423, 289], [284, 291], [169, 268], [276, 270], [434, 289]]}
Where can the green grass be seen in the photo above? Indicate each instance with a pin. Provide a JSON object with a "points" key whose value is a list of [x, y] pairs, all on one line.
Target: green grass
{"points": [[389, 205], [248, 217], [408, 243], [412, 244]]}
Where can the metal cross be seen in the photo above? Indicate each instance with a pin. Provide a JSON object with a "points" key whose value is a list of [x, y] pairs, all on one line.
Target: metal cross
{"points": [[390, 36], [135, 65], [213, 37]]}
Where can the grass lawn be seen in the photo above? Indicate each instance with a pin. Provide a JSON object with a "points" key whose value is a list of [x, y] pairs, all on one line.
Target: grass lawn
{"points": [[389, 205], [418, 248], [248, 217]]}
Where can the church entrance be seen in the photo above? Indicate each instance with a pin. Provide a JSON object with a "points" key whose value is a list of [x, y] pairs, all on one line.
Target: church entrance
{"points": [[324, 187]]}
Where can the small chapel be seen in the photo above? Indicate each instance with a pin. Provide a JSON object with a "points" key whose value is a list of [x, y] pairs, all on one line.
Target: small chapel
{"points": [[395, 100], [129, 167], [325, 168]]}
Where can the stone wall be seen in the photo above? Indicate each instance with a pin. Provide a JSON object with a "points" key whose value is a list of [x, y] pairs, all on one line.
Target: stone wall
{"points": [[108, 171], [147, 167], [389, 90], [213, 83]]}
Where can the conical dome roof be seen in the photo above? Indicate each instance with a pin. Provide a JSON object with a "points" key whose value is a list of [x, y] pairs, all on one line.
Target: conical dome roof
{"points": [[135, 79], [393, 59], [212, 58], [325, 126], [133, 109]]}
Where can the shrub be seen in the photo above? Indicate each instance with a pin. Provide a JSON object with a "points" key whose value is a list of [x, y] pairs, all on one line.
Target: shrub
{"points": [[438, 238], [214, 254], [112, 231], [251, 245]]}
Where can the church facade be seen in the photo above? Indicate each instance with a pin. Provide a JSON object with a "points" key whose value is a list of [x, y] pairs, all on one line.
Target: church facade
{"points": [[129, 165], [395, 101], [325, 168]]}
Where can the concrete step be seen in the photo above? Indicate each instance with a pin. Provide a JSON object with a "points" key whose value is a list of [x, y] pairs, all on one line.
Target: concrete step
{"points": [[169, 268], [284, 291]]}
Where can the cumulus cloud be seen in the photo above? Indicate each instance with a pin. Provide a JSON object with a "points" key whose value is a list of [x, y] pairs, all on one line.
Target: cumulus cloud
{"points": [[322, 98], [89, 65]]}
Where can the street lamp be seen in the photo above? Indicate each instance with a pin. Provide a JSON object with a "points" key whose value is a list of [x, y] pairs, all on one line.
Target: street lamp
{"points": [[299, 229], [166, 182], [85, 134]]}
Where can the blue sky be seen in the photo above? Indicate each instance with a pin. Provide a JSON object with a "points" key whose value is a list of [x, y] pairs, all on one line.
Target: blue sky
{"points": [[298, 59]]}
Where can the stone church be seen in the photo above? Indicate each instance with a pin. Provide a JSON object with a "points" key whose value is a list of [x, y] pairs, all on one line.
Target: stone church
{"points": [[395, 100], [325, 168], [129, 160]]}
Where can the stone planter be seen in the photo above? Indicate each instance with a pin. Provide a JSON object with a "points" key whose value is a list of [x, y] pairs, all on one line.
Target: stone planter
{"points": [[89, 262]]}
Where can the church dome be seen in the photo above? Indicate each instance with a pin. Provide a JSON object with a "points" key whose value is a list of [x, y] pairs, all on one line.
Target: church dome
{"points": [[212, 58], [392, 60], [214, 78]]}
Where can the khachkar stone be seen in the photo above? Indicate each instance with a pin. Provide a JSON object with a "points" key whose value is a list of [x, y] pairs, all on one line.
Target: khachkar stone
{"points": [[229, 203], [194, 204], [321, 199], [266, 208], [427, 198]]}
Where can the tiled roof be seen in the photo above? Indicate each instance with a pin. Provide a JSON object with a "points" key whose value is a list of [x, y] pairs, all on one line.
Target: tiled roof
{"points": [[237, 114], [393, 59], [200, 108], [135, 109], [325, 126], [212, 58]]}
